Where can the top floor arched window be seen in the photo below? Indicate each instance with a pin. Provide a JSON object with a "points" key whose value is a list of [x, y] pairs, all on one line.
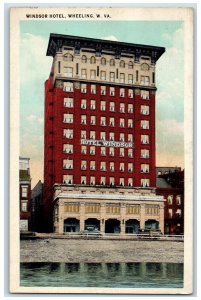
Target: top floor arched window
{"points": [[144, 67], [112, 62], [122, 63], [84, 59], [103, 61], [68, 57], [93, 60]]}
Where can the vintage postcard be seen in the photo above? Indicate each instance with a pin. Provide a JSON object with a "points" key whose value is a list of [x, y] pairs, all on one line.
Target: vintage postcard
{"points": [[101, 109]]}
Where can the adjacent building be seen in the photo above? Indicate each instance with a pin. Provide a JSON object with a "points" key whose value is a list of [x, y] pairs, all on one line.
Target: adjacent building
{"points": [[37, 207], [170, 184], [24, 193], [99, 157]]}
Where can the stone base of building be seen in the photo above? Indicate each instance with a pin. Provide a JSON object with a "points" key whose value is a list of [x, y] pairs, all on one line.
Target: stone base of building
{"points": [[106, 210]]}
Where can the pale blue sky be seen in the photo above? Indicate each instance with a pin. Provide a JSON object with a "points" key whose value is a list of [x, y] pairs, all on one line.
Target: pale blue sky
{"points": [[35, 68]]}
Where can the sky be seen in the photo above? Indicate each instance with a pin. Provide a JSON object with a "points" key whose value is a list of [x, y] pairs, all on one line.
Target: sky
{"points": [[35, 68]]}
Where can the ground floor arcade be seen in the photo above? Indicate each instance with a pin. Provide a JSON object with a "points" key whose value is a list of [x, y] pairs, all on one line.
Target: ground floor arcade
{"points": [[90, 209]]}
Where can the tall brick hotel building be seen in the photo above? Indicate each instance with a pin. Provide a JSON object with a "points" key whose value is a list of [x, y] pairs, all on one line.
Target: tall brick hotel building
{"points": [[99, 160]]}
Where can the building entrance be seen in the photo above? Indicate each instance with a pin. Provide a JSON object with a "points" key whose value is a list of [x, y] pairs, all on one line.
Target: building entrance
{"points": [[151, 225], [92, 224], [112, 226], [71, 225], [132, 226]]}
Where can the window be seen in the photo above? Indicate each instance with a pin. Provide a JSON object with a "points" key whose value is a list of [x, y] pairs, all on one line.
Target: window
{"points": [[144, 153], [130, 137], [68, 72], [68, 102], [84, 59], [130, 181], [144, 110], [145, 182], [130, 78], [103, 107], [83, 179], [83, 88], [178, 200], [68, 87], [130, 123], [122, 64], [178, 212], [92, 180], [112, 122], [122, 77], [111, 136], [144, 124], [111, 181], [83, 164], [112, 62], [68, 57], [112, 91], [103, 166], [92, 165], [130, 167], [84, 73], [111, 151], [92, 135], [24, 191], [68, 133], [112, 106], [122, 122], [145, 95], [103, 121], [121, 181], [83, 134], [121, 152], [83, 103], [130, 93], [92, 74], [122, 137], [144, 168], [24, 206], [68, 118], [103, 75], [93, 60], [103, 90], [93, 104], [130, 108], [68, 164], [122, 92], [144, 139], [112, 166], [170, 199], [84, 150], [130, 65], [83, 119], [170, 212], [144, 67], [103, 151], [68, 148], [121, 167], [103, 61], [68, 179], [102, 136], [92, 150], [145, 80], [112, 76], [130, 152], [93, 89], [93, 120], [102, 181]]}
